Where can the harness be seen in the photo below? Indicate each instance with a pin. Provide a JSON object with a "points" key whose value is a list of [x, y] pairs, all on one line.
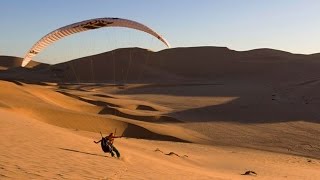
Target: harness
{"points": [[105, 145]]}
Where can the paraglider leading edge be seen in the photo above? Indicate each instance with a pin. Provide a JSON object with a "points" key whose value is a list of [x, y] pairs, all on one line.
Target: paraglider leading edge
{"points": [[85, 26]]}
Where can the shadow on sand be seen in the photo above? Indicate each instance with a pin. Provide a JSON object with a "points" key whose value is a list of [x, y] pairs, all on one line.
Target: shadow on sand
{"points": [[82, 152]]}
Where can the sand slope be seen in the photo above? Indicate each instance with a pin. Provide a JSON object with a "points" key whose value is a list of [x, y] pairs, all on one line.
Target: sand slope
{"points": [[31, 149]]}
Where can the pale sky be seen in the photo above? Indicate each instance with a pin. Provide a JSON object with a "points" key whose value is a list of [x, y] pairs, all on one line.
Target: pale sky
{"points": [[289, 25]]}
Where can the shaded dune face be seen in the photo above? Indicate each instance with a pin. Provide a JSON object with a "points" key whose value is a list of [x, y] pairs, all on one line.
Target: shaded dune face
{"points": [[134, 65], [9, 62]]}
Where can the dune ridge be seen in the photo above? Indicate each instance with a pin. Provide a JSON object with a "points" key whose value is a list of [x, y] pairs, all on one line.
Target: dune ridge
{"points": [[177, 65], [44, 104]]}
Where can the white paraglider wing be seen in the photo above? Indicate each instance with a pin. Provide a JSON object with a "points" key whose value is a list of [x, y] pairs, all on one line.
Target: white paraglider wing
{"points": [[85, 26]]}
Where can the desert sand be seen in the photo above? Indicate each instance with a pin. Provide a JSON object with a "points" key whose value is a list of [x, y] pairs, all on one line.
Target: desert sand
{"points": [[185, 113]]}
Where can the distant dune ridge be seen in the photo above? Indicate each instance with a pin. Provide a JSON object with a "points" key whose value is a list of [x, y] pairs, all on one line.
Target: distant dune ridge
{"points": [[12, 62], [135, 65], [219, 112]]}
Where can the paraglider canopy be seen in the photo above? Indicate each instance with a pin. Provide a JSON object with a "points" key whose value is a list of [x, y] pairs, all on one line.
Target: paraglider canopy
{"points": [[85, 26]]}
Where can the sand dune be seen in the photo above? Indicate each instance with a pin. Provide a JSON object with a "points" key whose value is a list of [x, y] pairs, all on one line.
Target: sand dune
{"points": [[43, 103], [14, 62], [36, 150], [195, 113], [179, 65]]}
